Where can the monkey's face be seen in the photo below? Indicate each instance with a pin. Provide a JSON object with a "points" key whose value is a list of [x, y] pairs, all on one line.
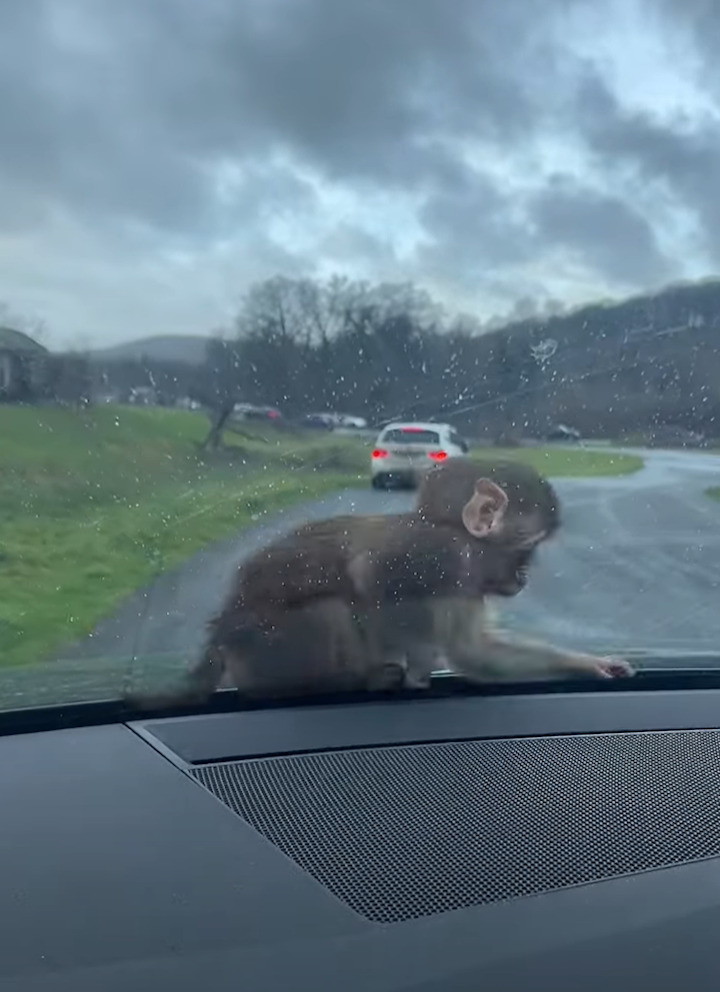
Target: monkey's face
{"points": [[512, 574], [501, 566]]}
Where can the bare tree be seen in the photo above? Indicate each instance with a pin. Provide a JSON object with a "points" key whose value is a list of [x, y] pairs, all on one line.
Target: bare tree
{"points": [[389, 351], [219, 387]]}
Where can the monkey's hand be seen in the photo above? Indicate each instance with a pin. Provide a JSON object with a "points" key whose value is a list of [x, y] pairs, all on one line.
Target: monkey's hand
{"points": [[595, 666], [613, 668]]}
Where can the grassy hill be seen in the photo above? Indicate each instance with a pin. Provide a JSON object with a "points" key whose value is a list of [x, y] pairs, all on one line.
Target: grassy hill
{"points": [[92, 505]]}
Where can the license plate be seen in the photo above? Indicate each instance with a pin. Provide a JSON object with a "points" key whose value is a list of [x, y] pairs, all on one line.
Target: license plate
{"points": [[406, 454]]}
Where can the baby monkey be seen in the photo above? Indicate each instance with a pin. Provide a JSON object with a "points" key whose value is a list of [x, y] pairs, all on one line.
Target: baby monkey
{"points": [[362, 602], [507, 510]]}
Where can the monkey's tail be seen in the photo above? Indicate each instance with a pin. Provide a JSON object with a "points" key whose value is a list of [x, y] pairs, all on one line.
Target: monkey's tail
{"points": [[200, 683]]}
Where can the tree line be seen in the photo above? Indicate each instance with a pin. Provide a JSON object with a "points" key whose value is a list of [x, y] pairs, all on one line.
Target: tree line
{"points": [[390, 350]]}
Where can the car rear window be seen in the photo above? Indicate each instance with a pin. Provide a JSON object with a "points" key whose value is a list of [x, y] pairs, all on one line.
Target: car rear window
{"points": [[401, 435]]}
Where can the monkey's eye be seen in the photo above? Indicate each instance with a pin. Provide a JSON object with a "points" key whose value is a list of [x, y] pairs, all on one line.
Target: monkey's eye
{"points": [[521, 562]]}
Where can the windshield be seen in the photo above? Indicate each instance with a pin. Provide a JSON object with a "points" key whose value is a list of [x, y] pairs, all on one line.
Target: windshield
{"points": [[218, 218]]}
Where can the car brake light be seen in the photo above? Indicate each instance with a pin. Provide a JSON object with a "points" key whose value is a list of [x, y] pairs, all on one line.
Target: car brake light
{"points": [[413, 430], [437, 456], [379, 453]]}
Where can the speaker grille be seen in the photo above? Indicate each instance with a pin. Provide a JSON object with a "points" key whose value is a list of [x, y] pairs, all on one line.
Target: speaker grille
{"points": [[404, 832]]}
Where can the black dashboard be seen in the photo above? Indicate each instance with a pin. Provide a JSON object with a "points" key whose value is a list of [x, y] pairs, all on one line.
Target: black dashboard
{"points": [[557, 839]]}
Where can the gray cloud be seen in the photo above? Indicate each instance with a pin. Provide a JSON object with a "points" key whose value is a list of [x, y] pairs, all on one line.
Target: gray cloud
{"points": [[603, 231], [474, 230], [116, 121], [682, 157], [125, 104]]}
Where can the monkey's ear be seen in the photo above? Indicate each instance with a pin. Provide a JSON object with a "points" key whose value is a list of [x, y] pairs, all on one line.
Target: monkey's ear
{"points": [[485, 510]]}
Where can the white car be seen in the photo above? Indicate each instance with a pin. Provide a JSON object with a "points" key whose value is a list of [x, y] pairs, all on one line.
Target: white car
{"points": [[347, 420], [404, 451]]}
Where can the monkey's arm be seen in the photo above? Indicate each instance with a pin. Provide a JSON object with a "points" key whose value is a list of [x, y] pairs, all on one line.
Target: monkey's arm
{"points": [[482, 654], [502, 658]]}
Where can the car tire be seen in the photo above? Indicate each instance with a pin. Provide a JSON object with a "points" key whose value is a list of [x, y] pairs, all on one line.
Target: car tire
{"points": [[378, 482]]}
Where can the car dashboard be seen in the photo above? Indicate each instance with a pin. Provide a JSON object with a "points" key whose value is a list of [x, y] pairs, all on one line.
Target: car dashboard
{"points": [[547, 838]]}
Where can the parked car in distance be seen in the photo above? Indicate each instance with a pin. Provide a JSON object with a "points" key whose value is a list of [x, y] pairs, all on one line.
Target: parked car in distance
{"points": [[249, 411], [404, 451], [348, 420], [561, 432], [319, 421], [186, 403], [333, 421]]}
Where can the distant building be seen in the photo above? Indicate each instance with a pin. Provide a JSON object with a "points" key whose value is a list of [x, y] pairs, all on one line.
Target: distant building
{"points": [[23, 367], [143, 396]]}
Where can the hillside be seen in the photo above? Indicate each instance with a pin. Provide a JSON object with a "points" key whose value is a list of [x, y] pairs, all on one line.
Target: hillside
{"points": [[95, 503], [189, 349], [642, 364]]}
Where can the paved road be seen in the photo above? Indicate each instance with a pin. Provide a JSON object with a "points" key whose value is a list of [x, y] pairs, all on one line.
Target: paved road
{"points": [[637, 565]]}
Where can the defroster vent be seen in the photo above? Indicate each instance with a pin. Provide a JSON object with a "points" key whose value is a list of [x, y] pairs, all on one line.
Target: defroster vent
{"points": [[403, 832]]}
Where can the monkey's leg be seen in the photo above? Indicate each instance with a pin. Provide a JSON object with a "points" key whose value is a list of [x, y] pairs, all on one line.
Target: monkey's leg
{"points": [[387, 676], [385, 661], [314, 648]]}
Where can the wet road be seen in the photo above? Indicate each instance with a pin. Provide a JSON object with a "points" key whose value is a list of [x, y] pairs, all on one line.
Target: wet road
{"points": [[636, 565]]}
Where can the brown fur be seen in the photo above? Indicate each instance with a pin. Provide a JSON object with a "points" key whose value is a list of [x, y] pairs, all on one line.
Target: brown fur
{"points": [[372, 601], [323, 646]]}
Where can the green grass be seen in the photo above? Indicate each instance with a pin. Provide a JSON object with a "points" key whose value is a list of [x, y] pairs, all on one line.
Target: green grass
{"points": [[713, 493], [568, 462], [93, 505]]}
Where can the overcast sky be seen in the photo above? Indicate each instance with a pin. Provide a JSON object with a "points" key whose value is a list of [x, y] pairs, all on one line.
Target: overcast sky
{"points": [[158, 156]]}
